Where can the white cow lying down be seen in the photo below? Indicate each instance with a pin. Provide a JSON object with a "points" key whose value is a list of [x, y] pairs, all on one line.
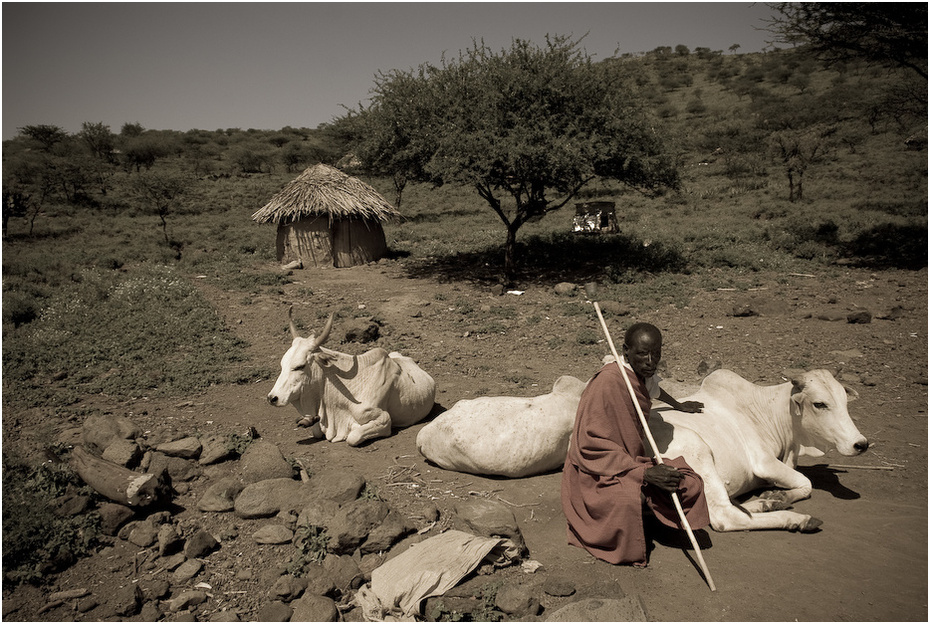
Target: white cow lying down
{"points": [[750, 437], [505, 436], [351, 397]]}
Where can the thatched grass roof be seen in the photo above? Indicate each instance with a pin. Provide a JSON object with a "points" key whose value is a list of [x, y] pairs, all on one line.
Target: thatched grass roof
{"points": [[323, 190]]}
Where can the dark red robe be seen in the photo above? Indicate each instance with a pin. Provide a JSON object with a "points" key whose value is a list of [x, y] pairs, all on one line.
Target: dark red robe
{"points": [[603, 474]]}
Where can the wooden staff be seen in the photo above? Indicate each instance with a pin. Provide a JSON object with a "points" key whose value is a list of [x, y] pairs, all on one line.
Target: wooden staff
{"points": [[655, 450]]}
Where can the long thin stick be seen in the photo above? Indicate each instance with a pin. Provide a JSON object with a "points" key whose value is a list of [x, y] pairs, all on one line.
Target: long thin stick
{"points": [[655, 450]]}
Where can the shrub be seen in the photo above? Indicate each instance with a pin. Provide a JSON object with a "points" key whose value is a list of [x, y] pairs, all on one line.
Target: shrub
{"points": [[149, 332], [35, 539]]}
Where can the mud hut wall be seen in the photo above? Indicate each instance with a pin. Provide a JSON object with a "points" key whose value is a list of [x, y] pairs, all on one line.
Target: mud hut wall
{"points": [[307, 240], [357, 241]]}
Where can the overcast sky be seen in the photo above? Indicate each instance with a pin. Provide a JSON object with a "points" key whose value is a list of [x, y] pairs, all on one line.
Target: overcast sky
{"points": [[247, 65]]}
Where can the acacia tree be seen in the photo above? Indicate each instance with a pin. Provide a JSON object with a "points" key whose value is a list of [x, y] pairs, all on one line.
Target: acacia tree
{"points": [[892, 33], [160, 193], [527, 128]]}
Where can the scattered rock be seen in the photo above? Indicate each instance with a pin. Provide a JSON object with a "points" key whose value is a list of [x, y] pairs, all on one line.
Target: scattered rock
{"points": [[288, 588], [263, 460], [226, 615], [125, 453], [186, 571], [150, 612], [614, 308], [90, 603], [273, 534], [368, 332], [893, 314], [143, 534], [186, 601], [155, 589], [71, 505], [353, 522], [185, 448], [317, 513], [215, 450], [126, 600], [743, 309], [220, 496], [172, 562], [559, 587], [705, 368], [101, 431], [319, 581], [490, 519], [831, 316], [517, 600], [343, 572], [565, 289], [383, 536], [861, 317], [275, 612], [591, 290], [200, 544], [169, 542], [312, 608], [626, 609], [338, 486], [266, 498]]}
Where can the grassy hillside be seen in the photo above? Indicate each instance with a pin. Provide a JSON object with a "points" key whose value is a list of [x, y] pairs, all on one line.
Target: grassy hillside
{"points": [[74, 251]]}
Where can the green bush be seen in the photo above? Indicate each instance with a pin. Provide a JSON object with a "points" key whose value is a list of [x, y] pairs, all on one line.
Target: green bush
{"points": [[36, 540]]}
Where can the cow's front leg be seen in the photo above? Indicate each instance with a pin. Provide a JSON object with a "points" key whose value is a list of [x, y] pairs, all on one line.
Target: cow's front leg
{"points": [[370, 422], [794, 486]]}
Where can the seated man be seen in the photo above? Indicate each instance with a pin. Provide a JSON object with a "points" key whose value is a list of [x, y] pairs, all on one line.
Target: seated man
{"points": [[608, 477]]}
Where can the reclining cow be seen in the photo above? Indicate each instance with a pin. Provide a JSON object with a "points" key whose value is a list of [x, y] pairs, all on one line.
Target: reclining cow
{"points": [[750, 437], [504, 436], [351, 397]]}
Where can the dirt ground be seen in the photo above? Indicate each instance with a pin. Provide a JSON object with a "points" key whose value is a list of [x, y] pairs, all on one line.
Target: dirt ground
{"points": [[869, 561]]}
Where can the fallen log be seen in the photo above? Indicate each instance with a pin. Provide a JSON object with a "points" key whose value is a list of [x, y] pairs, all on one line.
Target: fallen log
{"points": [[117, 483]]}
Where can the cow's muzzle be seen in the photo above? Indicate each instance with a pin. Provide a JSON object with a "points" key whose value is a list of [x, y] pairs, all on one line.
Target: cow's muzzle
{"points": [[861, 446], [273, 399]]}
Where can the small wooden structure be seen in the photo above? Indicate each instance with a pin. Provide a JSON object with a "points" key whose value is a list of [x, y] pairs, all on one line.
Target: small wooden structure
{"points": [[328, 218], [599, 216]]}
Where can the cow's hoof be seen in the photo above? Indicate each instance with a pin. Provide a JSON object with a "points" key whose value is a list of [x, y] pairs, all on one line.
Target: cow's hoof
{"points": [[811, 525], [773, 495], [774, 505]]}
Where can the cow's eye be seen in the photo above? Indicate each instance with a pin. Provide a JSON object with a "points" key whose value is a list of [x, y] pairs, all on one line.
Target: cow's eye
{"points": [[820, 406], [299, 368]]}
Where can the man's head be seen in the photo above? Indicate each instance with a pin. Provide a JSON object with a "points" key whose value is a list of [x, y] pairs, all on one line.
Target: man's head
{"points": [[642, 348]]}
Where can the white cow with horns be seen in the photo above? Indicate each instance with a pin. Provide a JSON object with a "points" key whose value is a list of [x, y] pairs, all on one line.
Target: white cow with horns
{"points": [[351, 397], [751, 436]]}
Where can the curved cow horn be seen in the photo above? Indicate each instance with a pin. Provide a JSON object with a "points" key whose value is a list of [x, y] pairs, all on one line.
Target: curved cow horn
{"points": [[325, 333], [290, 320]]}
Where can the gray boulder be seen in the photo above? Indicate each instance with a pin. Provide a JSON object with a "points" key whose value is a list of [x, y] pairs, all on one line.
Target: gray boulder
{"points": [[266, 498], [490, 519], [311, 608], [263, 460]]}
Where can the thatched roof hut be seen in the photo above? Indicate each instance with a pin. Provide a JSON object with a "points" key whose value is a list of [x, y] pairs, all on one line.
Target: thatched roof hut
{"points": [[327, 218]]}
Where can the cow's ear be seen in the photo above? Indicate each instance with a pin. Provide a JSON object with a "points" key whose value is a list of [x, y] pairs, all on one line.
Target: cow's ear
{"points": [[324, 359], [851, 394]]}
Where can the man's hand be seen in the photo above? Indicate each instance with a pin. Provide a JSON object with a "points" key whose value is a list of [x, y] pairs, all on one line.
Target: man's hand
{"points": [[691, 407], [663, 476]]}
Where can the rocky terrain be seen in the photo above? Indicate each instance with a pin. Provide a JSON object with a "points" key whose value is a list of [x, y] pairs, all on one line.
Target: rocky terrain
{"points": [[262, 522]]}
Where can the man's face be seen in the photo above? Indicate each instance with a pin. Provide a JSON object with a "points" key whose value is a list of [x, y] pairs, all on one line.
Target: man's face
{"points": [[644, 353]]}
